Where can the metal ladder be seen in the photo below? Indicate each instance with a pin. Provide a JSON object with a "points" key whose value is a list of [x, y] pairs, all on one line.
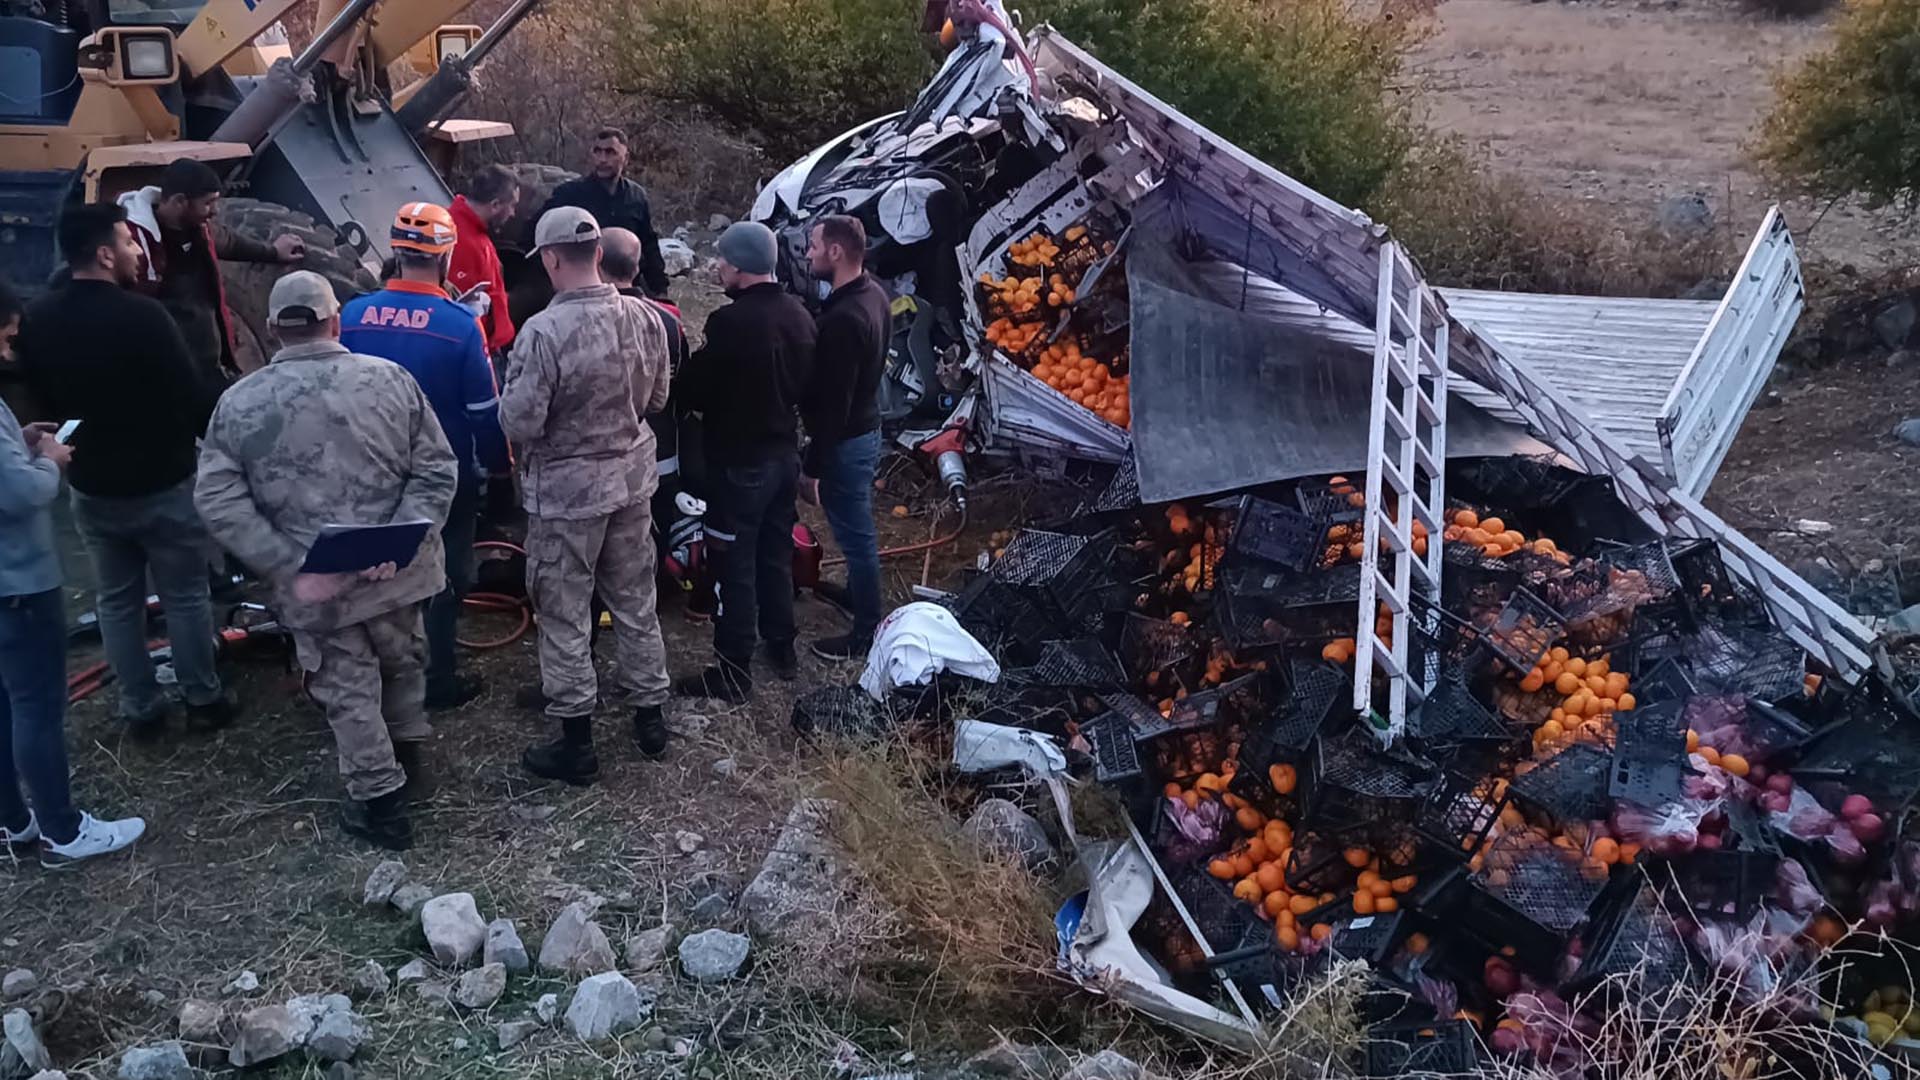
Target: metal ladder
{"points": [[1406, 460]]}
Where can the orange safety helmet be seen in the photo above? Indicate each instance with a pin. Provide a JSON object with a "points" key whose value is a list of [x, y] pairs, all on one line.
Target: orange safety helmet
{"points": [[425, 227]]}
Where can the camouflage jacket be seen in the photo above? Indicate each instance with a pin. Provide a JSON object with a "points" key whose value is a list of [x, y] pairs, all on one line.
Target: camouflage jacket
{"points": [[323, 436], [581, 375]]}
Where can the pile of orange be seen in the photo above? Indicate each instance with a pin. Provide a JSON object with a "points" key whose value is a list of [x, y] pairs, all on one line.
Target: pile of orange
{"points": [[1590, 691], [1732, 763], [1492, 537], [1014, 338], [1086, 381], [1036, 250]]}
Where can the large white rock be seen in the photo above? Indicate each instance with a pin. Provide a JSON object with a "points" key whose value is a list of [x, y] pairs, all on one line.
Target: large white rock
{"points": [[18, 983], [384, 881], [164, 1062], [576, 945], [677, 255], [339, 1035], [266, 1033], [21, 1052], [200, 1021], [646, 949], [805, 878], [455, 931], [605, 1005], [713, 955], [481, 987]]}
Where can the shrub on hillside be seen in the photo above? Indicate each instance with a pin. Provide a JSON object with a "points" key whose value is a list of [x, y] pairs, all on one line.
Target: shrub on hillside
{"points": [[1844, 122], [1470, 228], [790, 72], [1303, 84]]}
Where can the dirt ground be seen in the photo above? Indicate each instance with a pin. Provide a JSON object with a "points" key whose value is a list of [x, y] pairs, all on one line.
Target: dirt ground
{"points": [[1629, 103]]}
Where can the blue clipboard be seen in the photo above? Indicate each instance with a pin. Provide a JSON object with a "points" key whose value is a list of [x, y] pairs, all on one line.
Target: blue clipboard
{"points": [[349, 549]]}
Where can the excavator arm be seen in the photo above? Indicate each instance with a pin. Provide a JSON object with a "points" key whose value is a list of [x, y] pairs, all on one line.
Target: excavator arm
{"points": [[223, 28]]}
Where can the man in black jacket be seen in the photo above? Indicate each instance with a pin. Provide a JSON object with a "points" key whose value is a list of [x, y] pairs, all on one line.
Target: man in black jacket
{"points": [[842, 413], [746, 383], [95, 351], [616, 203]]}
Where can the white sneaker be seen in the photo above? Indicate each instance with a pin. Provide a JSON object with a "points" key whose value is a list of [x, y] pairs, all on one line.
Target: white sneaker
{"points": [[95, 838], [28, 835]]}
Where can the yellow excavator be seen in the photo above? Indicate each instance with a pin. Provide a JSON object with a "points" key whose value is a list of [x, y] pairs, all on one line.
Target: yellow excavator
{"points": [[96, 96]]}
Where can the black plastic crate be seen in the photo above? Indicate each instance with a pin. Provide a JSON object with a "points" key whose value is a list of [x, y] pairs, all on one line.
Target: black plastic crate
{"points": [[1317, 863], [1265, 975], [1268, 607], [1758, 661], [1063, 579], [1549, 885], [1651, 560], [1526, 628], [839, 710], [1874, 747], [1222, 919], [1649, 754], [1318, 499], [1141, 718], [1150, 646], [1731, 881], [1456, 818], [1115, 755], [1373, 938], [1472, 580], [1442, 1048], [1632, 943], [1569, 786], [1451, 714], [1277, 535], [1081, 662], [1452, 899], [1667, 680], [1236, 699], [1350, 781], [1315, 690]]}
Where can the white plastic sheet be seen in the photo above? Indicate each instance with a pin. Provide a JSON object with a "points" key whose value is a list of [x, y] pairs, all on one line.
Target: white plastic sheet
{"points": [[919, 641]]}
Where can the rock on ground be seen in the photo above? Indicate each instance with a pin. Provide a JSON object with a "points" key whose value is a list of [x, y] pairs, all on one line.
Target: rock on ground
{"points": [[18, 983], [725, 768], [677, 255], [547, 1008], [718, 222], [1106, 1065], [1684, 215], [455, 931], [21, 1052], [1000, 825], [1893, 324], [1020, 1061], [266, 1033], [49, 1074], [412, 971], [710, 909], [713, 955], [164, 1062], [339, 1035], [481, 987], [604, 1005], [803, 878], [1908, 431], [646, 949], [244, 983], [504, 947], [200, 1021], [575, 945], [370, 980], [385, 879], [410, 898], [513, 1033]]}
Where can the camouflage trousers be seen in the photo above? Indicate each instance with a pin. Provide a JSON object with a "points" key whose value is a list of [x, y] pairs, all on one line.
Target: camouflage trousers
{"points": [[569, 561], [370, 679]]}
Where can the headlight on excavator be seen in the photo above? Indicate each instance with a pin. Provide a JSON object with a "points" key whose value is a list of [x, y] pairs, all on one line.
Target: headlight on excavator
{"points": [[147, 56]]}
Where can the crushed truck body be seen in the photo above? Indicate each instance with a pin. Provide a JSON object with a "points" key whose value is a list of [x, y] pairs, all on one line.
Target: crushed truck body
{"points": [[1398, 631]]}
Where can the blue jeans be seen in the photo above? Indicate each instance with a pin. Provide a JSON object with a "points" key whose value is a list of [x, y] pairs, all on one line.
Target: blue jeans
{"points": [[443, 611], [158, 536], [846, 494], [33, 711]]}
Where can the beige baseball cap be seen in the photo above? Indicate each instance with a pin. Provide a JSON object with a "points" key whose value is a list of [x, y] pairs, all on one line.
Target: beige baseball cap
{"points": [[302, 298], [565, 225]]}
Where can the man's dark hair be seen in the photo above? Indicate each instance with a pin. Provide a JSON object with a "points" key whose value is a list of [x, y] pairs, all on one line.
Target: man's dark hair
{"points": [[619, 266], [184, 176], [845, 231], [492, 183], [415, 260], [10, 305], [85, 229], [576, 254], [608, 131]]}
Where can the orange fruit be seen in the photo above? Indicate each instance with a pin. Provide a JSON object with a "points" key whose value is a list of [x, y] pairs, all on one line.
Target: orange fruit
{"points": [[1385, 905], [1300, 905], [1191, 798], [1357, 857], [1249, 890], [1171, 791], [1735, 764], [1535, 680], [1242, 865], [1284, 778], [1405, 884], [1693, 740], [1270, 878], [1321, 931], [1597, 685], [1363, 903], [1221, 868], [1710, 755], [1567, 683], [1287, 938], [1274, 903], [1493, 525], [1607, 850], [1381, 888], [1625, 703], [1417, 943], [1258, 852]]}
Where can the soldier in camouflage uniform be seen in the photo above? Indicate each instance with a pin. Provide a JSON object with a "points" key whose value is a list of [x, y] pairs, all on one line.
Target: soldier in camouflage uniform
{"points": [[324, 436], [581, 375]]}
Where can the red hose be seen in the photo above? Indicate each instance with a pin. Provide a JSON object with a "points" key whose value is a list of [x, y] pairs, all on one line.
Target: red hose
{"points": [[499, 602], [909, 549]]}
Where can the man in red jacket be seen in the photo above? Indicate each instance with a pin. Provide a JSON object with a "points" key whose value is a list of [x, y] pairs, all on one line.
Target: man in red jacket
{"points": [[489, 202]]}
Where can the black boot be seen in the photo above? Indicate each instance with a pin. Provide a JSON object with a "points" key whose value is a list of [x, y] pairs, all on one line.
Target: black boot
{"points": [[784, 662], [381, 821], [570, 757], [214, 715], [724, 681], [412, 756], [530, 697], [455, 692], [650, 730]]}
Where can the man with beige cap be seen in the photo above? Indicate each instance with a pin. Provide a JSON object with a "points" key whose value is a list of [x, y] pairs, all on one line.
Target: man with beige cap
{"points": [[323, 436], [581, 376]]}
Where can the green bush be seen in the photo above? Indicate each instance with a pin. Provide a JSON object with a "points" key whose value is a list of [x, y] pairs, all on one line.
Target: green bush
{"points": [[1847, 121], [790, 72], [1306, 85]]}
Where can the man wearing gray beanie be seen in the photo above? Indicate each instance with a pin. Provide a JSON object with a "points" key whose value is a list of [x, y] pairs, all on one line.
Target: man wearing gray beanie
{"points": [[746, 383]]}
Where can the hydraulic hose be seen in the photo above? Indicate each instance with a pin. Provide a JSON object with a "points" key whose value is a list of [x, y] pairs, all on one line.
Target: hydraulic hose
{"points": [[499, 602]]}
